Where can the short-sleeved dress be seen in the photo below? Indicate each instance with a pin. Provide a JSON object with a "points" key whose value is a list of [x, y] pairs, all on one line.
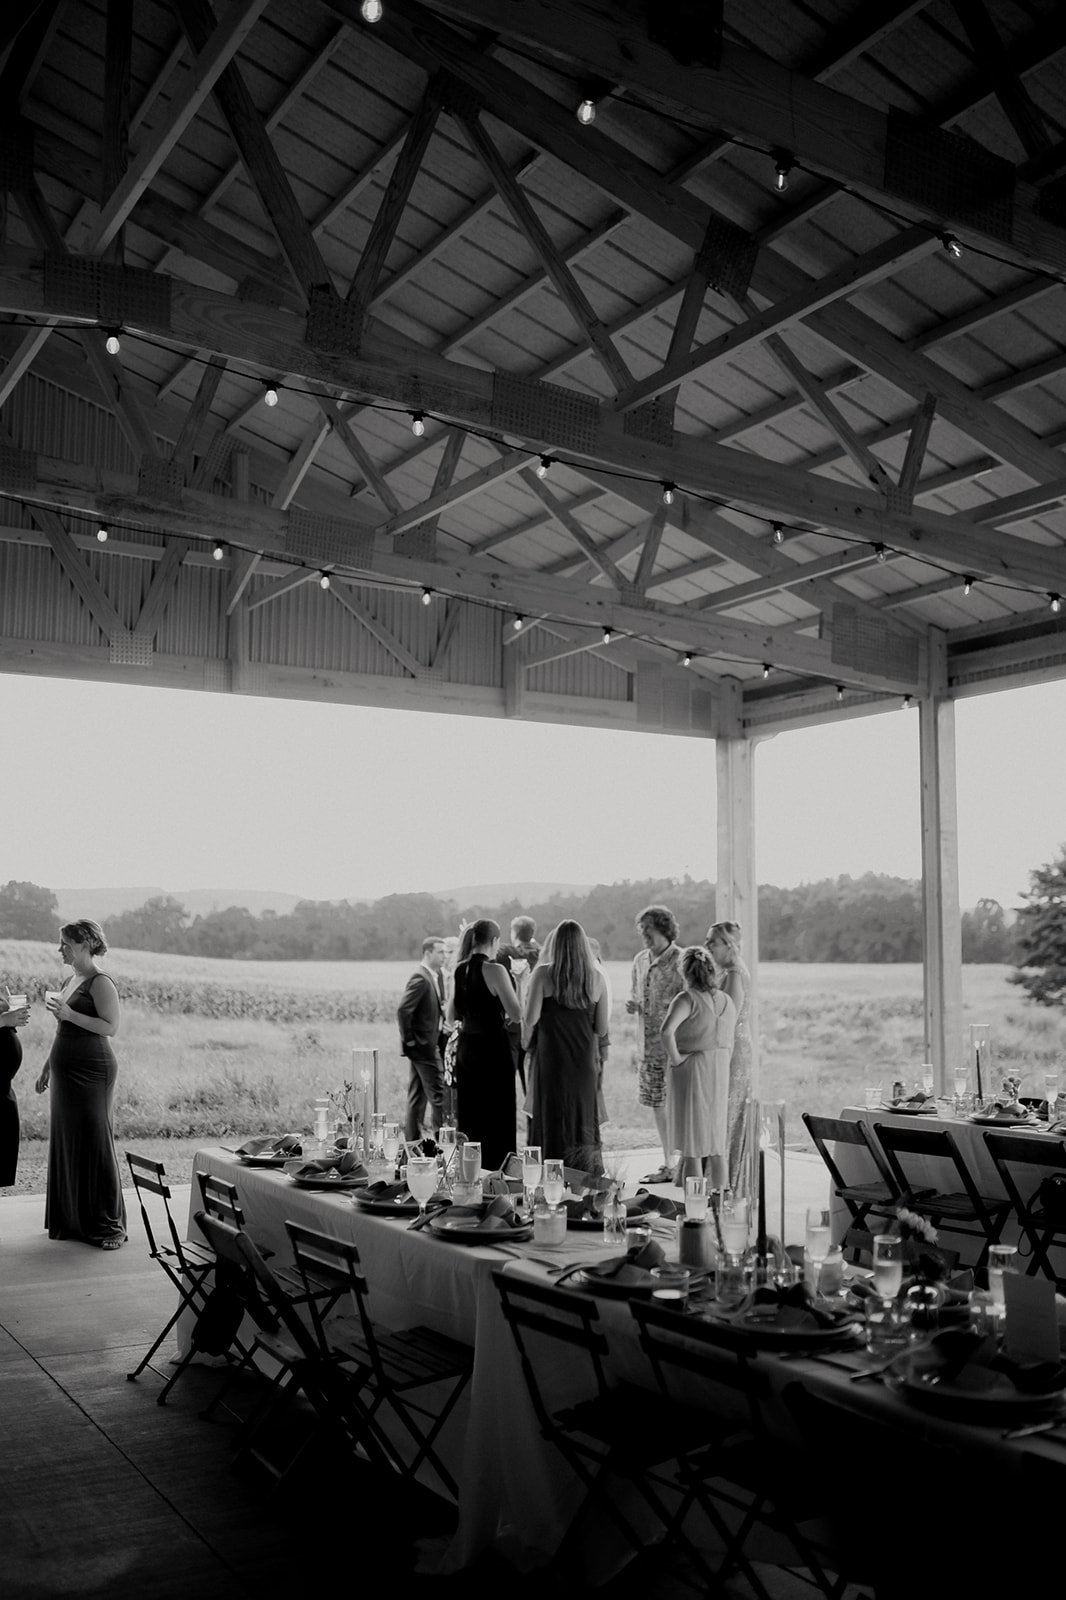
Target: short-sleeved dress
{"points": [[484, 1068], [10, 1061], [697, 1092], [84, 1199]]}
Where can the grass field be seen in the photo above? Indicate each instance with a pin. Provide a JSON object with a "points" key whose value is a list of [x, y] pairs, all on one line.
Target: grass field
{"points": [[223, 1049]]}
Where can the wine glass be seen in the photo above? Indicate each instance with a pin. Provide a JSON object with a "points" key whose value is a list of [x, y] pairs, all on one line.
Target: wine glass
{"points": [[696, 1197], [888, 1265], [391, 1141], [961, 1079], [735, 1222], [422, 1179], [531, 1170], [1051, 1093], [554, 1181], [927, 1077], [819, 1240]]}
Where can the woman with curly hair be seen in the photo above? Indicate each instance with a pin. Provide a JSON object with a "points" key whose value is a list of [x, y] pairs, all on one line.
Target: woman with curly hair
{"points": [[723, 942], [698, 1034], [565, 1033]]}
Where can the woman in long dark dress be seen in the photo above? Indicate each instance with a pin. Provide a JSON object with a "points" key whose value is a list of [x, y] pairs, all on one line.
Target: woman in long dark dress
{"points": [[482, 998], [84, 1199], [10, 1061], [565, 1032]]}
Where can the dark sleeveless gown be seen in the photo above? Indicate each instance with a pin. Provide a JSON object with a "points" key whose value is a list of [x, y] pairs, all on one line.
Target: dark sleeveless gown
{"points": [[84, 1199], [10, 1061], [566, 1069], [484, 1069]]}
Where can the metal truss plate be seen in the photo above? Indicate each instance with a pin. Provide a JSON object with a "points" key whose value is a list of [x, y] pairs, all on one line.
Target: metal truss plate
{"points": [[869, 645], [545, 411], [132, 649], [949, 173], [328, 541], [727, 256]]}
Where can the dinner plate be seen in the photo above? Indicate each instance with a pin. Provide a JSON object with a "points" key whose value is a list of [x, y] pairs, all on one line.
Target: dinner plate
{"points": [[387, 1206], [267, 1161], [771, 1335], [623, 1285], [326, 1180], [991, 1121], [460, 1230], [999, 1402], [910, 1111]]}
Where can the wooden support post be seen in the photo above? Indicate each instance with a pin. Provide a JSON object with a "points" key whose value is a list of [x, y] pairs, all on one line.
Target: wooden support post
{"points": [[941, 921], [736, 892]]}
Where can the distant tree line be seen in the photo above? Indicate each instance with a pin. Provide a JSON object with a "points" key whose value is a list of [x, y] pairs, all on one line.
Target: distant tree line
{"points": [[872, 918]]}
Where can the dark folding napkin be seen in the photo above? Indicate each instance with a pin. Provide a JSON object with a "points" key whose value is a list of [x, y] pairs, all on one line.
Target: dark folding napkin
{"points": [[271, 1144], [969, 1359], [636, 1263], [346, 1164], [793, 1307], [492, 1216], [386, 1191], [641, 1204]]}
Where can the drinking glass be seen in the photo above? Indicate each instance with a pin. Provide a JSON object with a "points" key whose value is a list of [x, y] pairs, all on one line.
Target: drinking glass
{"points": [[886, 1331], [1051, 1093], [735, 1220], [872, 1093], [961, 1080], [927, 1077], [888, 1265], [1001, 1258], [670, 1287], [422, 1179], [391, 1140], [554, 1181], [468, 1156], [819, 1238], [696, 1197], [531, 1170]]}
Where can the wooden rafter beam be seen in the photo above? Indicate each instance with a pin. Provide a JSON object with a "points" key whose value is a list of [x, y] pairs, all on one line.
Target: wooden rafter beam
{"points": [[917, 441], [1014, 98], [395, 198], [454, 495], [743, 594], [198, 413], [164, 581], [281, 586], [649, 550], [384, 636], [565, 519], [118, 46]]}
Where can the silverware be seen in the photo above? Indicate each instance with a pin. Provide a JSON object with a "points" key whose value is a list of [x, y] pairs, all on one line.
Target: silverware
{"points": [[872, 1372], [1033, 1427]]}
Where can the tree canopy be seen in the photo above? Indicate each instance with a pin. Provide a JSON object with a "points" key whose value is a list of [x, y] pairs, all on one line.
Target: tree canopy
{"points": [[27, 912], [1040, 934]]}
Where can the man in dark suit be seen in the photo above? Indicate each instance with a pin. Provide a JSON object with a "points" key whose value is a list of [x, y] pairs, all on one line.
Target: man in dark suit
{"points": [[420, 1016]]}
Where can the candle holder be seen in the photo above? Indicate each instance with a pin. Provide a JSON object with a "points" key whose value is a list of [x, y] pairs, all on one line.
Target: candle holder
{"points": [[981, 1056], [766, 1138]]}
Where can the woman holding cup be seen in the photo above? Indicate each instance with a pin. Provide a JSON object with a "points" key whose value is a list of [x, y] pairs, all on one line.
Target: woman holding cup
{"points": [[698, 1033], [16, 1014]]}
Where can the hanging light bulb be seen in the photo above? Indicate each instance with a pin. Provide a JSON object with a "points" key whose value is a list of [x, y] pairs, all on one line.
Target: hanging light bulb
{"points": [[323, 580], [586, 111], [418, 423], [840, 693], [608, 635], [880, 552], [371, 10], [270, 395], [668, 494], [783, 161], [905, 703], [967, 583], [778, 532], [951, 245], [427, 597], [766, 669], [218, 552], [686, 659], [541, 468], [517, 624], [101, 533], [112, 344], [1056, 602]]}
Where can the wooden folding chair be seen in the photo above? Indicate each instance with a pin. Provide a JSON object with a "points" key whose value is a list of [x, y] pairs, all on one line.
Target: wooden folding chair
{"points": [[879, 1193], [386, 1369], [187, 1264], [967, 1211], [617, 1431], [1020, 1150]]}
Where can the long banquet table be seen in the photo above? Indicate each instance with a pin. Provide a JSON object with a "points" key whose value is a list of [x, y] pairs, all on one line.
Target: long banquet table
{"points": [[516, 1494]]}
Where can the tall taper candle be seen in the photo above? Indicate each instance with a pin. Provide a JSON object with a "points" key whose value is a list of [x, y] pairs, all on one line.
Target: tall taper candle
{"points": [[760, 1243], [980, 1090], [366, 1117]]}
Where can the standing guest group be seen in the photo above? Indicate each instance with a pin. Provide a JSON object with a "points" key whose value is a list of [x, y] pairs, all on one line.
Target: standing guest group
{"points": [[531, 1019]]}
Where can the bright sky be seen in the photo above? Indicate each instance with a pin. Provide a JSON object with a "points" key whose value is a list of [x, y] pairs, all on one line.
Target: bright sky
{"points": [[108, 785]]}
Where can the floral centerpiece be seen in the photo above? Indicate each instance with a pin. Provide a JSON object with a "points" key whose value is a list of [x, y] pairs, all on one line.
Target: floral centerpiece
{"points": [[343, 1103], [923, 1260]]}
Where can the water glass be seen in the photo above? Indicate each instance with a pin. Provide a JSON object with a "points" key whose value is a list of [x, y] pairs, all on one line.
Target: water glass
{"points": [[422, 1179], [961, 1081], [886, 1329], [732, 1282], [922, 1304], [468, 1157], [1001, 1258], [554, 1181], [927, 1077], [391, 1141], [735, 1223], [670, 1286], [695, 1197], [872, 1094], [1051, 1094], [888, 1265], [819, 1236], [532, 1166]]}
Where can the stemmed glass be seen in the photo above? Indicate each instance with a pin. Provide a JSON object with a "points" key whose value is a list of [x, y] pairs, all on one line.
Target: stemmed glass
{"points": [[531, 1171], [819, 1240], [961, 1081], [391, 1141], [422, 1180], [554, 1181], [1051, 1093]]}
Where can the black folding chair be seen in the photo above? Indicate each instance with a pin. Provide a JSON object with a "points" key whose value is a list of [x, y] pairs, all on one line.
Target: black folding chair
{"points": [[187, 1264], [967, 1211], [752, 1471], [880, 1193], [617, 1431], [223, 1202], [386, 1369], [1035, 1222], [286, 1357]]}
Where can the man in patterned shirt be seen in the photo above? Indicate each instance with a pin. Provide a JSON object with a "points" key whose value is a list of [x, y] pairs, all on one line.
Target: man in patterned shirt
{"points": [[655, 979]]}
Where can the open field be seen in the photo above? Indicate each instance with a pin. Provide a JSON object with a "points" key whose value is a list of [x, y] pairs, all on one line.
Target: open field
{"points": [[222, 1049]]}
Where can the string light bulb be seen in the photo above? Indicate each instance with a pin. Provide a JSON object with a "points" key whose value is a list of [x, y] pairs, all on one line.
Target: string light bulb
{"points": [[112, 344], [371, 10], [906, 702], [542, 466], [418, 423], [218, 552], [517, 623], [840, 693], [778, 532], [765, 670], [668, 494], [967, 583], [323, 580], [427, 597], [1056, 603], [101, 533], [270, 395], [783, 161], [586, 111], [880, 552], [608, 635], [951, 245], [686, 659]]}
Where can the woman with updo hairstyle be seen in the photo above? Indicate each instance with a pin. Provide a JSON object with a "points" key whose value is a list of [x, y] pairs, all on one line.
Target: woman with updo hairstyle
{"points": [[565, 1033], [698, 1034], [84, 1199], [482, 997], [723, 942]]}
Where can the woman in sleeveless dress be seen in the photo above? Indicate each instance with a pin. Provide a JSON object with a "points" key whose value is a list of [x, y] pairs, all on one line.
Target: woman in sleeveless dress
{"points": [[482, 998], [698, 1033], [565, 1033], [723, 942], [10, 1061], [84, 1198]]}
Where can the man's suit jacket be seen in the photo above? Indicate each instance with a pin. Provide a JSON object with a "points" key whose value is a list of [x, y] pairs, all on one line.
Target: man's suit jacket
{"points": [[419, 1016]]}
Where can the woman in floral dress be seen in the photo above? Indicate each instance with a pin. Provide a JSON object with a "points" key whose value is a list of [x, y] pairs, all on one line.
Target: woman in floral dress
{"points": [[723, 942]]}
